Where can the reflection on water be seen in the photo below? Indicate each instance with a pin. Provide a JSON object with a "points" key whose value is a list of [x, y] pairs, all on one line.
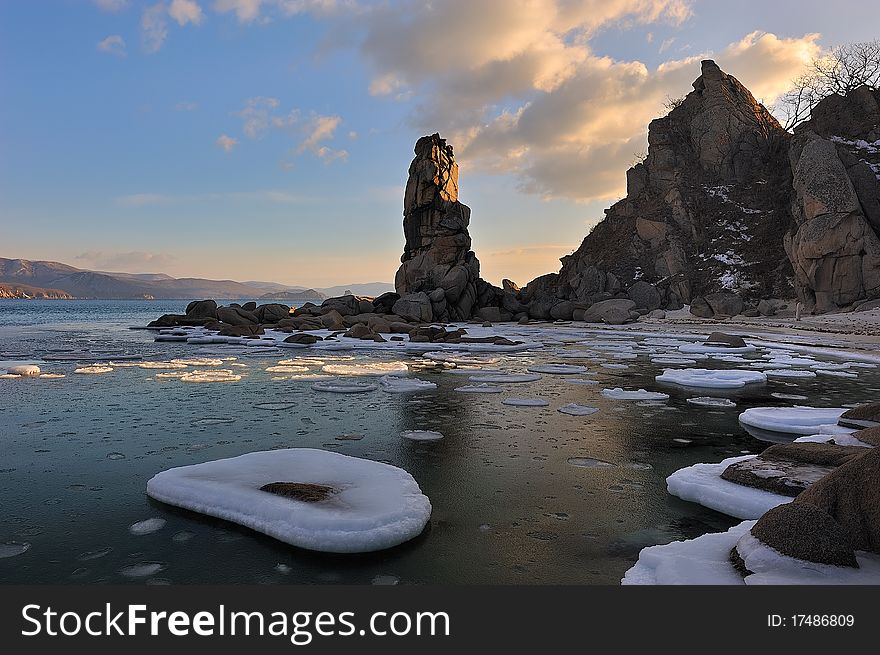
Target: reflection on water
{"points": [[520, 494]]}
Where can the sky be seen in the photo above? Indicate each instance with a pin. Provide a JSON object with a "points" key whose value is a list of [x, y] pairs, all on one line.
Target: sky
{"points": [[270, 139]]}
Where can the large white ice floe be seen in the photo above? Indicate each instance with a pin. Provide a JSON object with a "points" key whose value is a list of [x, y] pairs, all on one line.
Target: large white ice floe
{"points": [[400, 384], [705, 378], [365, 505], [703, 484], [637, 394], [559, 369], [706, 560], [791, 420]]}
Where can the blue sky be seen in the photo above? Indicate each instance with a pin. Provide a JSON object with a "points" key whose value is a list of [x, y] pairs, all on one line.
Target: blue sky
{"points": [[115, 116]]}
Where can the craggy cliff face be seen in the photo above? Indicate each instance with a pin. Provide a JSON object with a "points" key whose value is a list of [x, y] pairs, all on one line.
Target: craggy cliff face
{"points": [[704, 212]]}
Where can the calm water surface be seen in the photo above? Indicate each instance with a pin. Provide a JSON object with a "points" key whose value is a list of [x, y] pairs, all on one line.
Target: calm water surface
{"points": [[509, 505]]}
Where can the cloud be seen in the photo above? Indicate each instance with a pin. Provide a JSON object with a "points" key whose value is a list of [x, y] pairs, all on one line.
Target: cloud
{"points": [[112, 6], [186, 11], [666, 45], [134, 261], [249, 11], [154, 27], [113, 45], [226, 142], [310, 130]]}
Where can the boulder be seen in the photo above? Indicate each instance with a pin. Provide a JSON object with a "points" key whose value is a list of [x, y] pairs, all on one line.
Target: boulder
{"points": [[241, 330], [346, 305], [383, 304], [725, 303], [332, 320], [509, 285], [202, 309], [360, 331], [863, 416], [869, 436], [378, 324], [613, 312], [723, 339], [303, 338], [236, 316], [166, 320], [657, 314], [701, 308], [272, 312], [806, 532], [490, 314], [851, 495], [414, 307], [644, 295], [562, 311], [249, 306], [767, 307]]}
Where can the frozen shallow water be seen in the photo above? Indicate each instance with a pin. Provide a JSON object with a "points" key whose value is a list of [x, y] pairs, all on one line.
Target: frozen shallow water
{"points": [[566, 499]]}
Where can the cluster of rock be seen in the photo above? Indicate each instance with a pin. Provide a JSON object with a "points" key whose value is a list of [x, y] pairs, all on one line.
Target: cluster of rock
{"points": [[352, 316], [836, 490], [729, 209]]}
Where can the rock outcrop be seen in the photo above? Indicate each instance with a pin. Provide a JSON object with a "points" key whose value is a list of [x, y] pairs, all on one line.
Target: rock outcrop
{"points": [[705, 212], [439, 275], [834, 244]]}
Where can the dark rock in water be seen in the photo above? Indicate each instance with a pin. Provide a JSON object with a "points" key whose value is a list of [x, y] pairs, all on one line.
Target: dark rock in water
{"points": [[332, 320], [303, 338], [241, 330], [202, 309], [166, 320], [644, 295], [806, 532], [863, 416], [701, 308], [851, 495], [249, 306], [732, 340], [236, 316], [360, 331], [868, 436], [788, 469], [301, 491]]}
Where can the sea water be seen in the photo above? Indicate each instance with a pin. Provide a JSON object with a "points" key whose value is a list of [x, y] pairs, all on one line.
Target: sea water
{"points": [[519, 494]]}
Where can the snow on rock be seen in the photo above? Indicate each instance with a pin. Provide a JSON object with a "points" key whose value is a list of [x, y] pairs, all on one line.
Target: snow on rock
{"points": [[638, 394], [573, 409], [711, 378], [703, 484], [839, 439], [791, 420], [367, 506]]}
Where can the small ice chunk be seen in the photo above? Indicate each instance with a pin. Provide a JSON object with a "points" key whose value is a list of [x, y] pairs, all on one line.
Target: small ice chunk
{"points": [[790, 373], [13, 549], [398, 384], [147, 527], [574, 409], [835, 373], [559, 369], [710, 401], [479, 388], [506, 378], [93, 369], [143, 570], [341, 386], [588, 462], [421, 435]]}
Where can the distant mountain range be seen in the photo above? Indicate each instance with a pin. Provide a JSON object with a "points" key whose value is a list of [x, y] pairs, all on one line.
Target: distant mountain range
{"points": [[22, 278]]}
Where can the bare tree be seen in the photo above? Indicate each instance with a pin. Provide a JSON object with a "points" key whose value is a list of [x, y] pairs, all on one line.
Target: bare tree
{"points": [[840, 71], [671, 103]]}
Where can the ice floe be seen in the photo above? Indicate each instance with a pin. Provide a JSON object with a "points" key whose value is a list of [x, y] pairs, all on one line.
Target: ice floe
{"points": [[362, 505], [147, 526], [93, 369], [210, 375], [24, 370], [637, 394], [421, 435], [399, 384], [672, 360], [711, 378], [367, 368], [573, 409], [281, 368], [707, 349], [13, 549], [789, 373], [505, 378], [841, 439], [343, 386], [710, 401], [559, 369], [791, 420], [588, 463], [458, 357], [835, 373], [703, 484]]}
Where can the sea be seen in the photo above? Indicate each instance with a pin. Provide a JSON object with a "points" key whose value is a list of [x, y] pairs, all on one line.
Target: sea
{"points": [[520, 495]]}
